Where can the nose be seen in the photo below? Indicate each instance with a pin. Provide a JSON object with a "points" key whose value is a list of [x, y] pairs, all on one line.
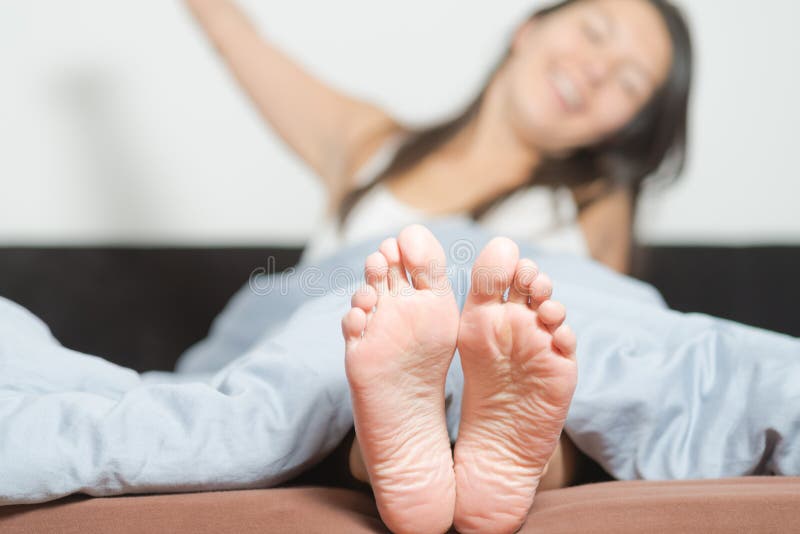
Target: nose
{"points": [[596, 70]]}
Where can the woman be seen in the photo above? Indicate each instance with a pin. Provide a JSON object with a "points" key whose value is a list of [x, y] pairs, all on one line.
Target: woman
{"points": [[588, 101], [591, 97]]}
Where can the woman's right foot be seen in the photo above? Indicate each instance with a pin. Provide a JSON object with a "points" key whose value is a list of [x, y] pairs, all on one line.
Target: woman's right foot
{"points": [[519, 376], [400, 338]]}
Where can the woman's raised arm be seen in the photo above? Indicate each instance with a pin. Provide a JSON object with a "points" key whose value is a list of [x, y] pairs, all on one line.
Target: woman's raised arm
{"points": [[327, 129]]}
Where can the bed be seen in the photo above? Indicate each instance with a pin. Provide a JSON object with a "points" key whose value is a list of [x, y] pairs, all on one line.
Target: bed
{"points": [[156, 302]]}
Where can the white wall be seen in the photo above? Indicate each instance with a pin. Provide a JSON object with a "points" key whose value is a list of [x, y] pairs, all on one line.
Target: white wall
{"points": [[118, 124]]}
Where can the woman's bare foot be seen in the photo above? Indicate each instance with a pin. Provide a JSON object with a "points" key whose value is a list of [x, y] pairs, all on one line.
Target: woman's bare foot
{"points": [[520, 373], [400, 338]]}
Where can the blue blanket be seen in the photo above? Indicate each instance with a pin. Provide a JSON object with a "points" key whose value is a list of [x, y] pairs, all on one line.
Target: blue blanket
{"points": [[660, 395]]}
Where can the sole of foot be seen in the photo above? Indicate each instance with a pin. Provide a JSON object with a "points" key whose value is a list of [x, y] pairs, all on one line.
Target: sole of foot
{"points": [[520, 373], [400, 336]]}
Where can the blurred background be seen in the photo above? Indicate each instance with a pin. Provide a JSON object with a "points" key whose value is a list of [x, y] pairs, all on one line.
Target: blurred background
{"points": [[139, 188], [119, 125]]}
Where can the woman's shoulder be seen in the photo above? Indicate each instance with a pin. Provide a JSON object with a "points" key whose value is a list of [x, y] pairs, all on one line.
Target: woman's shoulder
{"points": [[366, 141]]}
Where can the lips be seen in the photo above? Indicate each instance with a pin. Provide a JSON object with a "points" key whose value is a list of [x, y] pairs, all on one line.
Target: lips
{"points": [[566, 89]]}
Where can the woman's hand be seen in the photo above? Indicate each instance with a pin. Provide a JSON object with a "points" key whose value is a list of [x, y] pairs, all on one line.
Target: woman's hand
{"points": [[607, 225]]}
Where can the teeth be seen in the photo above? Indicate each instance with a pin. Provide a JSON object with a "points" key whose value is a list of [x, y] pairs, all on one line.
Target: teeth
{"points": [[567, 90]]}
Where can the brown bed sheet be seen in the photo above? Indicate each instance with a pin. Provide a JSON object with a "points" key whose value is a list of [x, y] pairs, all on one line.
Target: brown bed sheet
{"points": [[754, 504]]}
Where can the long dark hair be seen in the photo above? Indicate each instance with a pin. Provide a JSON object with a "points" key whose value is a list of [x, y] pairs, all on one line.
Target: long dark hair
{"points": [[652, 146]]}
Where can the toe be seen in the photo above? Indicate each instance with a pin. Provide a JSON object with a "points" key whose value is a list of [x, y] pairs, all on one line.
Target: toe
{"points": [[397, 274], [541, 289], [493, 271], [552, 313], [524, 278], [423, 257], [376, 272], [564, 340], [353, 324], [365, 298]]}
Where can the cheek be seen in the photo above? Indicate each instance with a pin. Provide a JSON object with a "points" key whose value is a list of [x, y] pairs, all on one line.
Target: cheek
{"points": [[532, 102], [612, 110]]}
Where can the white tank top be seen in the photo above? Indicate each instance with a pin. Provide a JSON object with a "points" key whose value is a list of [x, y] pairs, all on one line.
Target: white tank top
{"points": [[538, 215]]}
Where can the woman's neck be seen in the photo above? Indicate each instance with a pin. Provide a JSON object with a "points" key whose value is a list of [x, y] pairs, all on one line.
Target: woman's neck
{"points": [[488, 146], [485, 159]]}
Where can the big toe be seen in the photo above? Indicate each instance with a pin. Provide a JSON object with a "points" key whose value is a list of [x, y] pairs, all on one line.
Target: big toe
{"points": [[493, 271], [423, 257]]}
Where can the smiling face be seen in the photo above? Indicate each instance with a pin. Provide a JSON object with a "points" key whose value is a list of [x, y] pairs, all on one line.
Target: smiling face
{"points": [[584, 71]]}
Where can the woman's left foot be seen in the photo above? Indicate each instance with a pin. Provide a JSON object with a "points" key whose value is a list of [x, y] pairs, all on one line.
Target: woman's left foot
{"points": [[520, 374]]}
